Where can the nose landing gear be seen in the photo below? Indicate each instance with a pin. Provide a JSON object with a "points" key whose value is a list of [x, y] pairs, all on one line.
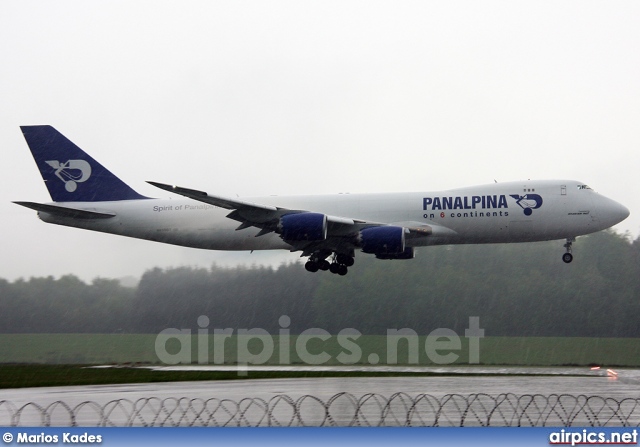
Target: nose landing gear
{"points": [[568, 257]]}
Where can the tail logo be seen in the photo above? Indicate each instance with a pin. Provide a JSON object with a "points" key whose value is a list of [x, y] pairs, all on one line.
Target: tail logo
{"points": [[71, 173], [528, 202]]}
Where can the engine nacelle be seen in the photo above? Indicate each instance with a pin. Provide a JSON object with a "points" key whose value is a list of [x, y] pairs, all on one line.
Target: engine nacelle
{"points": [[303, 227], [387, 240], [408, 253]]}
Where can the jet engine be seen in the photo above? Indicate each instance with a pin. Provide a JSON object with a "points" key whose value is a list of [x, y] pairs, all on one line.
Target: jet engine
{"points": [[303, 227], [381, 241]]}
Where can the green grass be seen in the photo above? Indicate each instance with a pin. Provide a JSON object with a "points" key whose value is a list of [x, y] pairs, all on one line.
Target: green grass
{"points": [[77, 348], [94, 349], [21, 376], [28, 360]]}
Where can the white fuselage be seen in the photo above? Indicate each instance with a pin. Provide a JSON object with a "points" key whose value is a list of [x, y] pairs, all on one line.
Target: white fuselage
{"points": [[540, 210]]}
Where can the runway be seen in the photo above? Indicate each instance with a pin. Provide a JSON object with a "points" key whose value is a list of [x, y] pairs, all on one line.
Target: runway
{"points": [[497, 380], [470, 380]]}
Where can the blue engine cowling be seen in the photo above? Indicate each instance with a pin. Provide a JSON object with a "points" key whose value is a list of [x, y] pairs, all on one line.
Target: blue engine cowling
{"points": [[387, 240], [303, 227]]}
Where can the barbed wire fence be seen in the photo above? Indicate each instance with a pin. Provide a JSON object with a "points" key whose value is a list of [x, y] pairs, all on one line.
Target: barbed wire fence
{"points": [[343, 409]]}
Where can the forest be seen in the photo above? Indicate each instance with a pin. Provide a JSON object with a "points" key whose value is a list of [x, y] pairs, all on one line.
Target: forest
{"points": [[515, 290]]}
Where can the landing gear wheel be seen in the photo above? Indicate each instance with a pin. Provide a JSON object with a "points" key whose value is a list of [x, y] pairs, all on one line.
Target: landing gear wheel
{"points": [[347, 260], [334, 268], [324, 265], [343, 270], [311, 266], [568, 257]]}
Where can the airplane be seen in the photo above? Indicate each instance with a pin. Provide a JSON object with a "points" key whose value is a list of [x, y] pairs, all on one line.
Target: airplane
{"points": [[327, 229]]}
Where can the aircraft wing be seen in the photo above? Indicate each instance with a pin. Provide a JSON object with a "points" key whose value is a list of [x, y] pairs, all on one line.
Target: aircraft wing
{"points": [[253, 214], [249, 214], [222, 202], [340, 233]]}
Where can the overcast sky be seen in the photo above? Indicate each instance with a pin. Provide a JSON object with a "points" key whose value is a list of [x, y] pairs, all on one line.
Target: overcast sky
{"points": [[254, 97]]}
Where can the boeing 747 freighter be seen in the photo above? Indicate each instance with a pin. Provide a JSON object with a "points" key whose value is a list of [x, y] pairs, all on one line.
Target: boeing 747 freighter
{"points": [[328, 229]]}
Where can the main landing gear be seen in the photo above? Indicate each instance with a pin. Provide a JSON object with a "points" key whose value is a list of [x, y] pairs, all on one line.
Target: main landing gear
{"points": [[315, 265], [339, 264], [568, 257]]}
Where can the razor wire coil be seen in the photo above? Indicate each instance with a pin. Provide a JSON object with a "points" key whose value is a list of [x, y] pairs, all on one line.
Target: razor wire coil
{"points": [[342, 409]]}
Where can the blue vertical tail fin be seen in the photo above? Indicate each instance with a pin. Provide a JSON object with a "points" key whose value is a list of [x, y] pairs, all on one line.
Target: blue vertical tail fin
{"points": [[70, 174]]}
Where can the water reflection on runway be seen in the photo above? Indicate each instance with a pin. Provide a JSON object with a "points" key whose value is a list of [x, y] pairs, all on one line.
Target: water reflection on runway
{"points": [[464, 380]]}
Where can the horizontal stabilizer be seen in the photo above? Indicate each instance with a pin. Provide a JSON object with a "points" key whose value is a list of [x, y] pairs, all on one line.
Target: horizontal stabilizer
{"points": [[64, 211]]}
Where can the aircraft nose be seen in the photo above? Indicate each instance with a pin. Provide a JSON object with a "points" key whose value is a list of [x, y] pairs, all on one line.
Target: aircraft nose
{"points": [[624, 212], [613, 211]]}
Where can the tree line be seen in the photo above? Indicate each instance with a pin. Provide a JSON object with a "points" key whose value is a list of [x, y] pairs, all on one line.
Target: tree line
{"points": [[515, 289]]}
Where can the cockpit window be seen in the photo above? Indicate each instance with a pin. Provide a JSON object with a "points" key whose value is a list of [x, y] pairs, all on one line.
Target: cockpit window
{"points": [[584, 187]]}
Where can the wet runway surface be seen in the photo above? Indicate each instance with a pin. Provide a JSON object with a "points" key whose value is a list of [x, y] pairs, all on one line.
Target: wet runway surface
{"points": [[371, 401], [501, 380], [478, 400]]}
